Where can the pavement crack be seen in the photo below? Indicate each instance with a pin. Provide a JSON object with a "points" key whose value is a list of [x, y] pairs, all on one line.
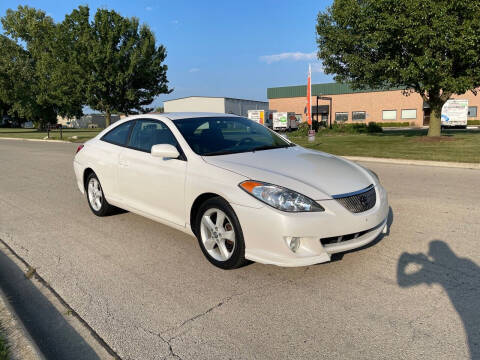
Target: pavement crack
{"points": [[221, 303], [193, 318], [166, 341]]}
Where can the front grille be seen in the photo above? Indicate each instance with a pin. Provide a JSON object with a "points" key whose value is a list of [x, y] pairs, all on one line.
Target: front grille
{"points": [[358, 201]]}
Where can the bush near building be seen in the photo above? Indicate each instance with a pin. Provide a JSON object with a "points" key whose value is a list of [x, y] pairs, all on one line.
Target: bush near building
{"points": [[396, 124], [473, 122]]}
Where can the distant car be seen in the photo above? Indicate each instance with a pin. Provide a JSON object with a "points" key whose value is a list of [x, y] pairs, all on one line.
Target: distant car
{"points": [[92, 126], [242, 190]]}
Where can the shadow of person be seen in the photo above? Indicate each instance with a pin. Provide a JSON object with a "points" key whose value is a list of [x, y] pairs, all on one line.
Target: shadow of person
{"points": [[460, 277]]}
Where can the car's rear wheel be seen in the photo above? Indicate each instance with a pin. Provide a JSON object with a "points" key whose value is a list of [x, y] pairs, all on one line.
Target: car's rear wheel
{"points": [[95, 196], [219, 234]]}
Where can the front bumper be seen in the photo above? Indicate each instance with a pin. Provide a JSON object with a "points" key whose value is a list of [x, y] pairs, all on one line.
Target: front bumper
{"points": [[265, 229]]}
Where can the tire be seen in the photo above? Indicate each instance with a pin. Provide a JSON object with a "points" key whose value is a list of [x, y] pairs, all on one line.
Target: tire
{"points": [[95, 196], [221, 241]]}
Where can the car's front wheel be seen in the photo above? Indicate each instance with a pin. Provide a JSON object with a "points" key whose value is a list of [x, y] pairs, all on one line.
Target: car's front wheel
{"points": [[219, 234], [95, 196]]}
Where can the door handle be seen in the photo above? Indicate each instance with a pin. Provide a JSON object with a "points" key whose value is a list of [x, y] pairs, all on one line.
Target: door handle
{"points": [[123, 163]]}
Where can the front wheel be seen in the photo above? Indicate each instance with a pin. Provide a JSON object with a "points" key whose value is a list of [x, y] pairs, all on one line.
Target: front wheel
{"points": [[219, 234]]}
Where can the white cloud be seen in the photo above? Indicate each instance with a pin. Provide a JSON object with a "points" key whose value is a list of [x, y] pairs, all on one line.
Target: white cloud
{"points": [[294, 56], [149, 8], [317, 68], [192, 70]]}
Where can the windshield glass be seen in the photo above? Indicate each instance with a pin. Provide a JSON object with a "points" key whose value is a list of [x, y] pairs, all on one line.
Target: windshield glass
{"points": [[209, 136]]}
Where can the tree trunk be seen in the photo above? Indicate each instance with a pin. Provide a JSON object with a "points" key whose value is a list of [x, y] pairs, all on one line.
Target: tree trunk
{"points": [[107, 118], [435, 127]]}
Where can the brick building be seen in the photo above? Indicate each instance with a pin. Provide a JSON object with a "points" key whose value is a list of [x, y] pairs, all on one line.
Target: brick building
{"points": [[389, 105]]}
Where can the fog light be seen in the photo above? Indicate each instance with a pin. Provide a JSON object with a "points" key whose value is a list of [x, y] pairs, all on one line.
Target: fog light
{"points": [[293, 242]]}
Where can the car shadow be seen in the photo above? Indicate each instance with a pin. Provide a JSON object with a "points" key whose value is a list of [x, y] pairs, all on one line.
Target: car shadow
{"points": [[459, 277], [339, 256]]}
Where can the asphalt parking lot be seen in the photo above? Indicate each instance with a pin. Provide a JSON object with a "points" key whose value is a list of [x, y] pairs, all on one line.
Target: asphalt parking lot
{"points": [[149, 293]]}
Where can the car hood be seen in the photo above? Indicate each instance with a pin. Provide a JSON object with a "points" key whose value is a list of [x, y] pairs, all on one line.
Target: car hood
{"points": [[315, 174]]}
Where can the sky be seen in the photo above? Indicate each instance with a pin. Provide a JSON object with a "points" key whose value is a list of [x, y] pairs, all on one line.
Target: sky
{"points": [[220, 48]]}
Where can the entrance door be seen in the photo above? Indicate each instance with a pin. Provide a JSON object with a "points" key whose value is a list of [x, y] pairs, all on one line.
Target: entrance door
{"points": [[426, 116]]}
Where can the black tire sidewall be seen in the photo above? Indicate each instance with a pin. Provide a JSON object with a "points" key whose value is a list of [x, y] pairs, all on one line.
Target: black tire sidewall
{"points": [[238, 257], [105, 208]]}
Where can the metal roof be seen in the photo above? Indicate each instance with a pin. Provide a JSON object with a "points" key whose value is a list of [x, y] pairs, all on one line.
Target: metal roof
{"points": [[319, 89], [214, 97]]}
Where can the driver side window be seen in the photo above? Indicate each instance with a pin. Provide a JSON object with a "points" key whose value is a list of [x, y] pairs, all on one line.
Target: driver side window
{"points": [[147, 133]]}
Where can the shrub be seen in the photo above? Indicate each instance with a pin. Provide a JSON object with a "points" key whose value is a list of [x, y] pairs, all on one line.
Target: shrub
{"points": [[373, 127], [349, 128], [302, 130], [473, 122], [394, 124]]}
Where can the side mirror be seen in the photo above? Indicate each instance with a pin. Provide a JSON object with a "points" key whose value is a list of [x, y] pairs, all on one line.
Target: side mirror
{"points": [[165, 151]]}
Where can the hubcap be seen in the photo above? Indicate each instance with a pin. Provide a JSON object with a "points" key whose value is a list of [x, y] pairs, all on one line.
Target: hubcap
{"points": [[217, 234], [95, 194]]}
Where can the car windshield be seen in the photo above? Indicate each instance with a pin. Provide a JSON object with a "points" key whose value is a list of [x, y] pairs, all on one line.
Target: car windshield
{"points": [[209, 136]]}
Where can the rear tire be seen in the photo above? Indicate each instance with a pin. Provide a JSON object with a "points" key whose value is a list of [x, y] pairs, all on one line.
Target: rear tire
{"points": [[95, 196], [219, 234]]}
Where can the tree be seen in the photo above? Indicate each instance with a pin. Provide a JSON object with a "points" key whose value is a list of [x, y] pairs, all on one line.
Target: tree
{"points": [[126, 67], [159, 109], [431, 47], [55, 77], [16, 72]]}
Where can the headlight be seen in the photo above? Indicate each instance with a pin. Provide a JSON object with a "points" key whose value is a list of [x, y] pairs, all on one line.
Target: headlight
{"points": [[279, 197]]}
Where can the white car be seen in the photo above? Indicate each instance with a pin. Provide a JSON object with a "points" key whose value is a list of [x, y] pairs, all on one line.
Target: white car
{"points": [[245, 192]]}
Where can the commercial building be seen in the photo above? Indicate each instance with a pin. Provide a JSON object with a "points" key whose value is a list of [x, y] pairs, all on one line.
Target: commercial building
{"points": [[348, 105], [90, 120], [223, 105]]}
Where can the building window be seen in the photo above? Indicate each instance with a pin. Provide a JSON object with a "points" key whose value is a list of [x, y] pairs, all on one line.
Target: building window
{"points": [[389, 115], [472, 111], [341, 116], [359, 115], [409, 114]]}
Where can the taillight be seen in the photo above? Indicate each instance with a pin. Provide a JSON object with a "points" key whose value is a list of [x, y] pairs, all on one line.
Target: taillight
{"points": [[80, 147]]}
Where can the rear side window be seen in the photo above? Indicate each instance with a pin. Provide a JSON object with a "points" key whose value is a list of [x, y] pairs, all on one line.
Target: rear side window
{"points": [[119, 135]]}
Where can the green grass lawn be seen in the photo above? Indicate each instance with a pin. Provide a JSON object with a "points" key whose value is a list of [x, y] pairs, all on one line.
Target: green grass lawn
{"points": [[459, 146], [82, 134]]}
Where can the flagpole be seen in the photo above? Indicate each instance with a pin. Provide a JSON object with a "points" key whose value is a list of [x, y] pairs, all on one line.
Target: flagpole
{"points": [[309, 97]]}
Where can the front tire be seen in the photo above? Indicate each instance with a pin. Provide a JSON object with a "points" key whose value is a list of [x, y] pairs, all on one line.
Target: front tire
{"points": [[219, 234], [95, 196]]}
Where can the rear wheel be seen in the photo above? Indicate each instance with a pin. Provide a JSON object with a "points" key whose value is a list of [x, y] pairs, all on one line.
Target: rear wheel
{"points": [[96, 198], [219, 234]]}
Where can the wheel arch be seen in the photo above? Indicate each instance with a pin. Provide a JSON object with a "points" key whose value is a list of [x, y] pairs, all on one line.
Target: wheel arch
{"points": [[86, 174], [196, 206]]}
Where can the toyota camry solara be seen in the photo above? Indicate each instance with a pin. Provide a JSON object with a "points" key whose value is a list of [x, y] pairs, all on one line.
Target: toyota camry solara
{"points": [[245, 192]]}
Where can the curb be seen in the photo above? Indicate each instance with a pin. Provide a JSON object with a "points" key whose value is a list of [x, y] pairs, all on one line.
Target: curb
{"points": [[458, 165], [21, 345], [38, 140]]}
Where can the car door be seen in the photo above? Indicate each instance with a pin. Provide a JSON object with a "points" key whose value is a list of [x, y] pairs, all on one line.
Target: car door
{"points": [[153, 185]]}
